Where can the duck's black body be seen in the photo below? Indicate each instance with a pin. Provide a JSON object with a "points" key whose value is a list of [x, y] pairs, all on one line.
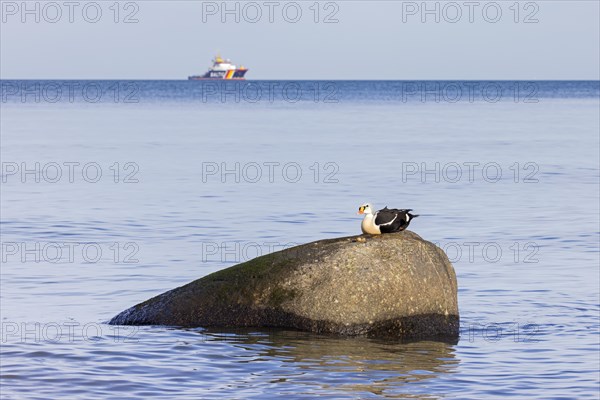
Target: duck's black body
{"points": [[391, 220]]}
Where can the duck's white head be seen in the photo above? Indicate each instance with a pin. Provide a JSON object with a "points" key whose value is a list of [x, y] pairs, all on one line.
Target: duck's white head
{"points": [[365, 209]]}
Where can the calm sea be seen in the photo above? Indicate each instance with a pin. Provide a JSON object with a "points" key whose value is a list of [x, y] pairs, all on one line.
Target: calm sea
{"points": [[115, 191]]}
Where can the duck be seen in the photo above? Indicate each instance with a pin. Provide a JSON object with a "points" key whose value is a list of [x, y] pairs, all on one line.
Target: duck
{"points": [[386, 220]]}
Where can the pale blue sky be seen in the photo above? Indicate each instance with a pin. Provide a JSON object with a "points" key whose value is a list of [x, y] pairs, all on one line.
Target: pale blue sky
{"points": [[371, 40]]}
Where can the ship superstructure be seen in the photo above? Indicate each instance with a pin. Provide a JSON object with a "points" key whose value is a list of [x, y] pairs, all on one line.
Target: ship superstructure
{"points": [[222, 69]]}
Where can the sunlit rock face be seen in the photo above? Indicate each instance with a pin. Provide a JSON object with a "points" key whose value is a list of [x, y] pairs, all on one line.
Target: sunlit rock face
{"points": [[393, 285]]}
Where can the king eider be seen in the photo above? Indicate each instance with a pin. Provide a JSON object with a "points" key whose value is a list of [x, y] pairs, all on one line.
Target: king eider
{"points": [[387, 220]]}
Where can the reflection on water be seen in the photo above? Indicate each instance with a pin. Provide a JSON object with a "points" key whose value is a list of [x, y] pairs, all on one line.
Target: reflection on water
{"points": [[352, 365], [155, 361]]}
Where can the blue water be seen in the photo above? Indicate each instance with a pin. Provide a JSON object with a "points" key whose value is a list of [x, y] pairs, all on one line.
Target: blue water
{"points": [[115, 191]]}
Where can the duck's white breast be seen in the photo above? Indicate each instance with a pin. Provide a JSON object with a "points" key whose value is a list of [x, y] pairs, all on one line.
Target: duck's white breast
{"points": [[368, 225]]}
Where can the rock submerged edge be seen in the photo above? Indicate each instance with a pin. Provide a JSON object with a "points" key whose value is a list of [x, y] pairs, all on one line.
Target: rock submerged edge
{"points": [[393, 285]]}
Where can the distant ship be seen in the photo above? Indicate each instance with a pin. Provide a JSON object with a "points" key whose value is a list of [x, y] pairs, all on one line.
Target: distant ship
{"points": [[222, 69]]}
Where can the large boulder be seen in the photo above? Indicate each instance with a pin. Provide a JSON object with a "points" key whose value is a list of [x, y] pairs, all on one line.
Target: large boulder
{"points": [[387, 285]]}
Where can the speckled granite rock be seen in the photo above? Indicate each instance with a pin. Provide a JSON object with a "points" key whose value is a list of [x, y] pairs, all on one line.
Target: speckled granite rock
{"points": [[388, 285]]}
